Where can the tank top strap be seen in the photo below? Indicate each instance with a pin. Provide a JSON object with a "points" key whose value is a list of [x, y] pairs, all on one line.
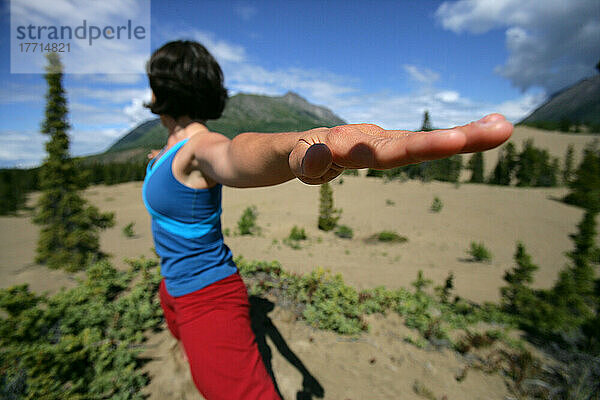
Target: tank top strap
{"points": [[156, 162]]}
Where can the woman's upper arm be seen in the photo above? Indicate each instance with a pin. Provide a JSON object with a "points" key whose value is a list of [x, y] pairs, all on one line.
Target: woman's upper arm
{"points": [[211, 157]]}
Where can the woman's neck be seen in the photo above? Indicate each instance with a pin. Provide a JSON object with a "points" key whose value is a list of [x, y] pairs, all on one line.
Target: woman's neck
{"points": [[182, 128]]}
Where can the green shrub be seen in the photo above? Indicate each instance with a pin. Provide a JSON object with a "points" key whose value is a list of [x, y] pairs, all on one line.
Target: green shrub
{"points": [[351, 172], [390, 202], [436, 205], [296, 235], [389, 237], [479, 252], [421, 283], [247, 222], [344, 232], [326, 302], [84, 342], [330, 303], [444, 292], [128, 230]]}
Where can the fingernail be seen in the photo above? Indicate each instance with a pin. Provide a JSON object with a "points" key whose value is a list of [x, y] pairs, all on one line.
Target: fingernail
{"points": [[489, 120], [486, 122]]}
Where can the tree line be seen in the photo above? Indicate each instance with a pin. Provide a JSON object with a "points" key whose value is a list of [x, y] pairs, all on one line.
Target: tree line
{"points": [[530, 167], [16, 183]]}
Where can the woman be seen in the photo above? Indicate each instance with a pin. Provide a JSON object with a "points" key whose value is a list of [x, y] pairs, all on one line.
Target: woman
{"points": [[203, 297]]}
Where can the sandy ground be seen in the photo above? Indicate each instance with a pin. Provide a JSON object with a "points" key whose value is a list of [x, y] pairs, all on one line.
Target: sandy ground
{"points": [[378, 365]]}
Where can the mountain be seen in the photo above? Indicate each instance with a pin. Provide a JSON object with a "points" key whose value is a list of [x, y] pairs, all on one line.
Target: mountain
{"points": [[243, 113], [576, 104]]}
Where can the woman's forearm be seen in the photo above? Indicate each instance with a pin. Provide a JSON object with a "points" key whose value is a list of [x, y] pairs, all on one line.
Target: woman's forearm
{"points": [[261, 159]]}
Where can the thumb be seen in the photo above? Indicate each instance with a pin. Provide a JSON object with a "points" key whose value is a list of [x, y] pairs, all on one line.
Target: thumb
{"points": [[310, 161]]}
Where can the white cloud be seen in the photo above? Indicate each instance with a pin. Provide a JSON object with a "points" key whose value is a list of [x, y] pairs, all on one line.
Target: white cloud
{"points": [[12, 92], [421, 75], [516, 109], [26, 149], [551, 43], [85, 142], [105, 55], [110, 96], [448, 96], [319, 86], [21, 149], [446, 108], [119, 79], [222, 50], [135, 111]]}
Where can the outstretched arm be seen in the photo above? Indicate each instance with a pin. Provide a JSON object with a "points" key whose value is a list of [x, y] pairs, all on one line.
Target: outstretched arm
{"points": [[319, 155]]}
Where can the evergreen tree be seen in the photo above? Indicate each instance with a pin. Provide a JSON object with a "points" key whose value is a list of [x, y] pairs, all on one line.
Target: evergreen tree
{"points": [[585, 188], [574, 290], [426, 126], [328, 216], [446, 169], [505, 167], [584, 240], [517, 296], [69, 233], [535, 167], [527, 165], [548, 171], [567, 172], [13, 190], [476, 167]]}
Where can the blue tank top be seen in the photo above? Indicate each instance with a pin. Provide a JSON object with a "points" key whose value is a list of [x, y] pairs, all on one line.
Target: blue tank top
{"points": [[186, 227]]}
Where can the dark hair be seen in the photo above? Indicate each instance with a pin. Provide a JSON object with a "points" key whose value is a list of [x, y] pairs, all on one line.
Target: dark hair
{"points": [[186, 80]]}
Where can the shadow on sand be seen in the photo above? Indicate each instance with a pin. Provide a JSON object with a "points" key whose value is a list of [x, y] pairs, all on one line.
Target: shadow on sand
{"points": [[263, 327]]}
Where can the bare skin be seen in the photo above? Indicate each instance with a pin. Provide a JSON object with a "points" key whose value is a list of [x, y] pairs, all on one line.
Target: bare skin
{"points": [[318, 155]]}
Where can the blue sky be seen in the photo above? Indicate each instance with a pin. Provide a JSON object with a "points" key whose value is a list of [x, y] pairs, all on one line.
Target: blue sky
{"points": [[376, 61]]}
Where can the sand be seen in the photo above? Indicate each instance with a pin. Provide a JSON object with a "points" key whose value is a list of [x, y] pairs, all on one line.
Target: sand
{"points": [[377, 365]]}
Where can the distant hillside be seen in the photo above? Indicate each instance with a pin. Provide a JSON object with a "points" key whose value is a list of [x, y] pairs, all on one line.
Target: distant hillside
{"points": [[243, 113], [577, 104]]}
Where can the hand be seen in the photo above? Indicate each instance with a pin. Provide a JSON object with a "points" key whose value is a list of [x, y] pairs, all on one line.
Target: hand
{"points": [[323, 153], [153, 153]]}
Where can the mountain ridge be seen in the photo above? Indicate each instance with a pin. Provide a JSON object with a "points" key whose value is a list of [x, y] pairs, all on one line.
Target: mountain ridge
{"points": [[575, 104]]}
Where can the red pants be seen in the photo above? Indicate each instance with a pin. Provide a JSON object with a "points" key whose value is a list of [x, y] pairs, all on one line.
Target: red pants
{"points": [[214, 326]]}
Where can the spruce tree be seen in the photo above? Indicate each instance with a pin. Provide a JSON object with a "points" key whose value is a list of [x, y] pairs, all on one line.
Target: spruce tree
{"points": [[504, 170], [426, 126], [585, 187], [527, 165], [584, 241], [517, 295], [574, 290], [69, 233], [567, 172], [328, 216], [13, 190], [476, 167]]}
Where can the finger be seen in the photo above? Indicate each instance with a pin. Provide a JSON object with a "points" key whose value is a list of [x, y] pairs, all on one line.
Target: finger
{"points": [[487, 133], [310, 161]]}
